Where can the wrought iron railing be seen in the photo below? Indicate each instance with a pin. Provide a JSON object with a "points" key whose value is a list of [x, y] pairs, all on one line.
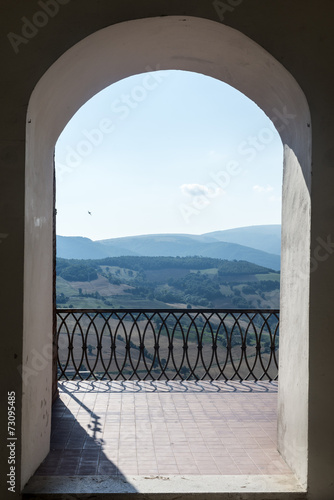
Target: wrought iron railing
{"points": [[169, 344]]}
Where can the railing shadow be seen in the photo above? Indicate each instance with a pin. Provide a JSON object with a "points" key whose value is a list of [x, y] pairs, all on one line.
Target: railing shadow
{"points": [[179, 386]]}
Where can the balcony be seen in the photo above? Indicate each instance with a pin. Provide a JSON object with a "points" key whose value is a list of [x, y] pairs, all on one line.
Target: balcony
{"points": [[164, 395]]}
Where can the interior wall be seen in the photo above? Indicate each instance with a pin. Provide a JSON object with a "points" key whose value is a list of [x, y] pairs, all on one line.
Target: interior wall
{"points": [[191, 44]]}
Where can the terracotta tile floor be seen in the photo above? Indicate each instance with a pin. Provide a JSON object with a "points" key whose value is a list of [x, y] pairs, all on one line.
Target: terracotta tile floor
{"points": [[147, 428]]}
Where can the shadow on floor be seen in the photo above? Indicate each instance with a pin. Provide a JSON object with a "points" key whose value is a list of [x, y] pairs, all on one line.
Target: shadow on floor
{"points": [[177, 386], [74, 452]]}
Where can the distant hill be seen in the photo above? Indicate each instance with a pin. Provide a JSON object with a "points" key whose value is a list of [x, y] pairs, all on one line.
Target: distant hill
{"points": [[77, 247], [219, 244], [265, 238]]}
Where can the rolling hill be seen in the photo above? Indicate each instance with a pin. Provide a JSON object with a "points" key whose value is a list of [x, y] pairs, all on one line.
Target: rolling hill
{"points": [[165, 282], [250, 244], [265, 238]]}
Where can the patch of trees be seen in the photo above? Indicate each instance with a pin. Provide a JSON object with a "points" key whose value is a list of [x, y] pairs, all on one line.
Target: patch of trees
{"points": [[114, 280], [193, 288], [136, 263], [154, 263], [140, 290], [240, 302], [260, 286], [240, 267], [95, 295], [76, 270], [197, 285], [61, 298], [169, 296]]}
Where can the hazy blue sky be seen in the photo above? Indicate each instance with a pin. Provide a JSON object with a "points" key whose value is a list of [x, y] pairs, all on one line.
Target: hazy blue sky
{"points": [[167, 152]]}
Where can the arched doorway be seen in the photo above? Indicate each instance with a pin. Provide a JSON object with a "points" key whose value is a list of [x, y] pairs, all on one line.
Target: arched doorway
{"points": [[101, 59]]}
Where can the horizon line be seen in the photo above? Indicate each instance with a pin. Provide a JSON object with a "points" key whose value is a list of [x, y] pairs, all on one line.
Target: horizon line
{"points": [[166, 234]]}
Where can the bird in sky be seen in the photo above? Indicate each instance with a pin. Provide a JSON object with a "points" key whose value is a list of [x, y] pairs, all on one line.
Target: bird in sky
{"points": [[90, 213]]}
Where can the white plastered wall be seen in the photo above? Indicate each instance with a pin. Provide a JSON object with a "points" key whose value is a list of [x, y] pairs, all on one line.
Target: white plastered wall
{"points": [[191, 44]]}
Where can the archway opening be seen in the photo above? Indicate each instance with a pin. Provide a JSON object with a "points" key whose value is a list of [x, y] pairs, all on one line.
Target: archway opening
{"points": [[215, 53], [157, 151]]}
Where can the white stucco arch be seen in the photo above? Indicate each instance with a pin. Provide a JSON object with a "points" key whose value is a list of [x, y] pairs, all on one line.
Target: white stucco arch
{"points": [[116, 52]]}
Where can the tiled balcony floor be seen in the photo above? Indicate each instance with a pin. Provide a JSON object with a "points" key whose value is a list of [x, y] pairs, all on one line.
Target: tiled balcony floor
{"points": [[150, 429]]}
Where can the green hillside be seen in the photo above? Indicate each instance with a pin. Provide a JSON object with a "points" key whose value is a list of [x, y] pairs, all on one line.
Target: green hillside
{"points": [[163, 282]]}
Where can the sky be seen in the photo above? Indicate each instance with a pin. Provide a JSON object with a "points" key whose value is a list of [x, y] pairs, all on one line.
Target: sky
{"points": [[167, 152]]}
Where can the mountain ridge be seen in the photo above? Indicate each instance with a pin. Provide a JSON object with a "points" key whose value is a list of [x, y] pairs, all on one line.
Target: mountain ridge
{"points": [[259, 239]]}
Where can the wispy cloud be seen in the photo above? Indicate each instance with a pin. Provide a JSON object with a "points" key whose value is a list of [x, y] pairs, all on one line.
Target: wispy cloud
{"points": [[200, 190], [262, 189]]}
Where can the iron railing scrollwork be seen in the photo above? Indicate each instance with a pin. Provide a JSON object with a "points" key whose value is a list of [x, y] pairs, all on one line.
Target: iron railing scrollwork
{"points": [[168, 344]]}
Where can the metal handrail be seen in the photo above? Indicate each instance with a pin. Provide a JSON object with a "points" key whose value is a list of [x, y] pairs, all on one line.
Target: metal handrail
{"points": [[168, 344]]}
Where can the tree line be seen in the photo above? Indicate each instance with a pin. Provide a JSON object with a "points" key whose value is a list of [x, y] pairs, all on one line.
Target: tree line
{"points": [[87, 270]]}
